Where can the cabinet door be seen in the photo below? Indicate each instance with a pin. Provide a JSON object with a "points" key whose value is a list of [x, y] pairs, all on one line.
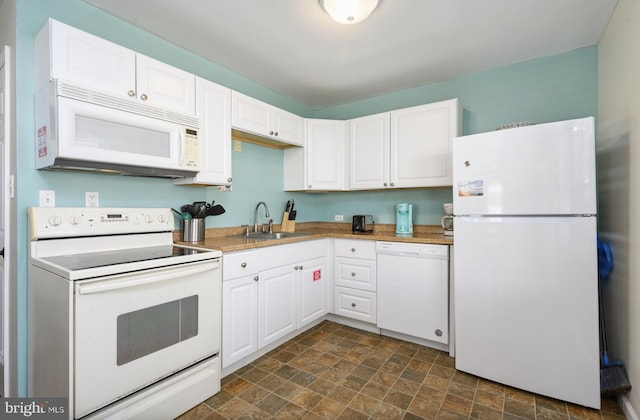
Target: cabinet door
{"points": [[369, 152], [356, 304], [239, 319], [86, 60], [325, 155], [213, 109], [276, 304], [165, 86], [421, 141], [248, 114], [355, 273], [287, 127], [312, 290]]}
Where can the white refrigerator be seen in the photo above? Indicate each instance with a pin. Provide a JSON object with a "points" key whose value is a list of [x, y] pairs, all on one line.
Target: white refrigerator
{"points": [[526, 292]]}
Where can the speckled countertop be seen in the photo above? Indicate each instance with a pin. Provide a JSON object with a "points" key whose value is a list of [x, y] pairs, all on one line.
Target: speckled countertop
{"points": [[219, 238]]}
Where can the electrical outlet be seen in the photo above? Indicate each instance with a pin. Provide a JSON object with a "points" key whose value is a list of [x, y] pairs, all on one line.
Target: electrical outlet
{"points": [[47, 198], [338, 218], [91, 199]]}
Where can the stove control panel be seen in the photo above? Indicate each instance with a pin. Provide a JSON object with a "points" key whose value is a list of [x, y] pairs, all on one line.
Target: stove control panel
{"points": [[63, 222]]}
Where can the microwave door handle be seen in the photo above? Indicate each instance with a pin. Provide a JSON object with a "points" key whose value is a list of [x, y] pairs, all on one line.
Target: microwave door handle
{"points": [[138, 279], [181, 146]]}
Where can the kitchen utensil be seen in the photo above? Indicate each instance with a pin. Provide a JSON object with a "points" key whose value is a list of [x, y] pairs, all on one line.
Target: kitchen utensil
{"points": [[215, 210], [198, 209]]}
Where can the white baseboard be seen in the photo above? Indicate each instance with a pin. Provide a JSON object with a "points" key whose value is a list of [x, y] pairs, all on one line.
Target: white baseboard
{"points": [[627, 408]]}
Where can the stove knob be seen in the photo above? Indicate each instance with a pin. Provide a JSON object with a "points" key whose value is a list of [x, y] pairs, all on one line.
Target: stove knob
{"points": [[55, 220], [74, 220], [148, 218]]}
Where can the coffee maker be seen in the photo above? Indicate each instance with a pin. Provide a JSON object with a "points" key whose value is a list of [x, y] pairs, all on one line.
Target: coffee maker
{"points": [[447, 219], [404, 219]]}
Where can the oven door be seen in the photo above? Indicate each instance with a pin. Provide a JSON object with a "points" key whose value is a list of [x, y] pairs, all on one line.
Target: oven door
{"points": [[134, 329]]}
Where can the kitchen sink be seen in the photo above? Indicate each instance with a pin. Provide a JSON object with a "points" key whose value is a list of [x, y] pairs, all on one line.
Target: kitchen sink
{"points": [[263, 236]]}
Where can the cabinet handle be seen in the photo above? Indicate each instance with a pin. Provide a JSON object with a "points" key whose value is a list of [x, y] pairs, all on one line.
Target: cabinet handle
{"points": [[256, 278], [144, 97], [353, 305], [438, 333], [295, 268], [243, 265], [301, 267], [271, 133], [353, 250], [353, 274], [385, 184], [131, 93], [276, 134], [393, 185], [228, 179]]}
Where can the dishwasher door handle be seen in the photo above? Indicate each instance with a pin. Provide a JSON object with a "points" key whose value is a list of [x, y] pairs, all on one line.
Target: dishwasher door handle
{"points": [[409, 254]]}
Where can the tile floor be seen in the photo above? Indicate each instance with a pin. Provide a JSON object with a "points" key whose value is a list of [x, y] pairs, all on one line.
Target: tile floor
{"points": [[336, 372]]}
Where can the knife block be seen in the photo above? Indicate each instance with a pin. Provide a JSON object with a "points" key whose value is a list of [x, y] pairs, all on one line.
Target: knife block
{"points": [[287, 225]]}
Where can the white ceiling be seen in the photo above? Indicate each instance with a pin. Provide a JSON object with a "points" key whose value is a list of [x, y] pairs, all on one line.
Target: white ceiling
{"points": [[293, 48]]}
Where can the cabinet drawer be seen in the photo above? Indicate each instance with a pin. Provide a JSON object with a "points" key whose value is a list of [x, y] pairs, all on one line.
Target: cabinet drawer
{"points": [[353, 248], [356, 304], [355, 273], [239, 264]]}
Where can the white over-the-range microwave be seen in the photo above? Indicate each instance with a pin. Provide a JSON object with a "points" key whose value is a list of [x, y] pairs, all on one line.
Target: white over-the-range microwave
{"points": [[81, 129]]}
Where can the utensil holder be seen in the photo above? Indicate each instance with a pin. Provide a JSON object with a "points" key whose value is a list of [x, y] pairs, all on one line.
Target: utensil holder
{"points": [[193, 230], [287, 225]]}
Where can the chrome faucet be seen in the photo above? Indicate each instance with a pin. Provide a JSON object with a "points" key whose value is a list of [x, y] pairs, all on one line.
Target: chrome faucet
{"points": [[255, 215]]}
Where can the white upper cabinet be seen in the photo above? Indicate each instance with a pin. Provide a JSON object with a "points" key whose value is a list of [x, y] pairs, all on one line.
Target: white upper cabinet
{"points": [[369, 152], [256, 117], [72, 55], [164, 86], [213, 109], [405, 148], [321, 164], [421, 141]]}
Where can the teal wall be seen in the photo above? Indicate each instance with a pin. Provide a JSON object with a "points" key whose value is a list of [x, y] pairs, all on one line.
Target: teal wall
{"points": [[548, 89]]}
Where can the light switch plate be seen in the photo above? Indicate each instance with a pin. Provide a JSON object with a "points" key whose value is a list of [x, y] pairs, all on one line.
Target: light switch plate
{"points": [[47, 198]]}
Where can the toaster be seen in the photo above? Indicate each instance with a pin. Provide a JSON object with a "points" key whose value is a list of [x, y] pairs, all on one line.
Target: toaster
{"points": [[362, 223]]}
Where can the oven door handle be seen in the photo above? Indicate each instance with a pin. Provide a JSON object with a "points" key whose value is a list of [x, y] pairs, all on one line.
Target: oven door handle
{"points": [[138, 279]]}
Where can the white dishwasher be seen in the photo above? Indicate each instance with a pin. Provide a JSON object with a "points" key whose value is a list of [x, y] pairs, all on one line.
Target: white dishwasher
{"points": [[413, 289]]}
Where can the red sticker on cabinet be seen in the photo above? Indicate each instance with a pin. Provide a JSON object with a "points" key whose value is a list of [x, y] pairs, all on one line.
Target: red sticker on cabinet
{"points": [[316, 275]]}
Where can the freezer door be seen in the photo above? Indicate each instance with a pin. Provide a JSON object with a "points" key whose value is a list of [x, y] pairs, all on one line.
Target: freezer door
{"points": [[526, 304], [544, 169]]}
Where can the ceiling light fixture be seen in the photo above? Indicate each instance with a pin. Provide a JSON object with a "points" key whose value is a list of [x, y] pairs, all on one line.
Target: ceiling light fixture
{"points": [[348, 11]]}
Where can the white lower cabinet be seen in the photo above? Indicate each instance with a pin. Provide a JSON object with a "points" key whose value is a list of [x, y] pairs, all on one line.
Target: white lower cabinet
{"points": [[355, 279], [356, 304], [239, 306], [312, 291], [270, 293], [276, 304]]}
